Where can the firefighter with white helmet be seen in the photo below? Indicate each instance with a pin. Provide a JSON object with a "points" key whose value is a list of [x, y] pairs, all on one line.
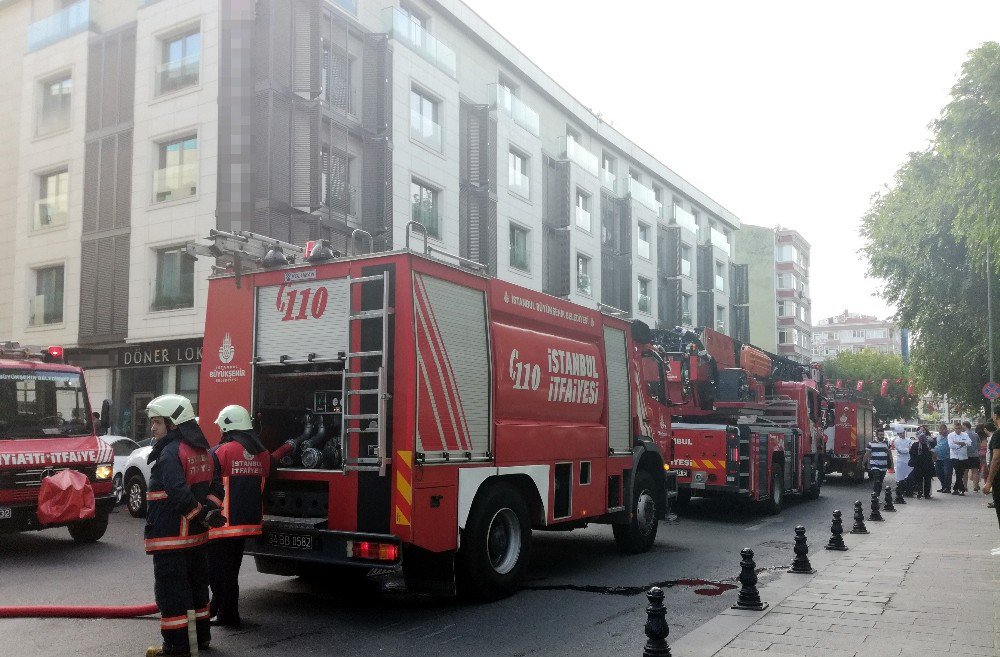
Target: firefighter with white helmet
{"points": [[243, 464], [184, 499]]}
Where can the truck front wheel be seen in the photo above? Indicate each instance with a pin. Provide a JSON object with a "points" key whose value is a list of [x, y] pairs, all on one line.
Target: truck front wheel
{"points": [[89, 531], [496, 544], [638, 534]]}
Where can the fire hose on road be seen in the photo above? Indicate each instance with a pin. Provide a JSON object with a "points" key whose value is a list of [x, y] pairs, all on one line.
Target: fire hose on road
{"points": [[82, 611]]}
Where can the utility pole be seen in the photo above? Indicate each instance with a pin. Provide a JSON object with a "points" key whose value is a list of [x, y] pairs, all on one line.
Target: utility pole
{"points": [[989, 314]]}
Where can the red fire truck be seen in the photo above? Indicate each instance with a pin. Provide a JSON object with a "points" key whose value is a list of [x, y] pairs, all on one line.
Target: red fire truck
{"points": [[850, 426], [746, 424], [45, 428], [433, 416]]}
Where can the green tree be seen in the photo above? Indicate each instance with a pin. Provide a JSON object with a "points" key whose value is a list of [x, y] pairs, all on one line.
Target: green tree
{"points": [[925, 235], [872, 367]]}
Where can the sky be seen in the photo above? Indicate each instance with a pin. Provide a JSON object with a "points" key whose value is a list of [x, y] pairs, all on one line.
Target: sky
{"points": [[791, 113]]}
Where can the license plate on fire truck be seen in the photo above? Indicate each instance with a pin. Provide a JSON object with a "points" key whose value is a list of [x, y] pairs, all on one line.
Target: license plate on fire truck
{"points": [[6, 513], [290, 541]]}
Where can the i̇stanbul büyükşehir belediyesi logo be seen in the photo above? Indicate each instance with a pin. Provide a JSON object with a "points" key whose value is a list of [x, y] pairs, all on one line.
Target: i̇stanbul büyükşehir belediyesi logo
{"points": [[226, 350]]}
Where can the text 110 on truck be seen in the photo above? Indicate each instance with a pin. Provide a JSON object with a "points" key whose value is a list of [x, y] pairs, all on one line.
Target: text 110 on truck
{"points": [[437, 416], [46, 428]]}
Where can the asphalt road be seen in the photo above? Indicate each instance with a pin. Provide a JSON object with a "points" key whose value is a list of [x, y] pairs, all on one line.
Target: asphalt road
{"points": [[581, 596]]}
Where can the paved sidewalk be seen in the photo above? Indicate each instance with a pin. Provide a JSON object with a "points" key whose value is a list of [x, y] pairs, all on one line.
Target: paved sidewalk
{"points": [[922, 582]]}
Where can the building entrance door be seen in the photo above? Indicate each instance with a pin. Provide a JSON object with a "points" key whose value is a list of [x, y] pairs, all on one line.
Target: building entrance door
{"points": [[140, 422]]}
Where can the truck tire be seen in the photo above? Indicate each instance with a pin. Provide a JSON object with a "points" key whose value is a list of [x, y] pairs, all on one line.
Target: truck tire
{"points": [[496, 544], [89, 531], [638, 534], [135, 496], [776, 496]]}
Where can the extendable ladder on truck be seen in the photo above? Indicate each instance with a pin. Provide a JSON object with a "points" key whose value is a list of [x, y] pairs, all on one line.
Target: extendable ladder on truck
{"points": [[365, 388]]}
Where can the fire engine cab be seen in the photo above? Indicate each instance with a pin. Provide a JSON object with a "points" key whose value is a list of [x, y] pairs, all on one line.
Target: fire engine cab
{"points": [[431, 417], [46, 429]]}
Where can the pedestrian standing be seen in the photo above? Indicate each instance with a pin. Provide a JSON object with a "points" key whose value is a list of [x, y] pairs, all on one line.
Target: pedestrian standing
{"points": [[182, 501], [958, 443], [942, 465], [922, 460], [879, 461], [972, 455], [978, 450], [243, 464], [991, 430], [901, 457], [992, 483]]}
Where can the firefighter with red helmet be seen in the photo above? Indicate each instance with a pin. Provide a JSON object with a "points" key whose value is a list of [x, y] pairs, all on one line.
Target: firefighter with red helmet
{"points": [[243, 464], [184, 499]]}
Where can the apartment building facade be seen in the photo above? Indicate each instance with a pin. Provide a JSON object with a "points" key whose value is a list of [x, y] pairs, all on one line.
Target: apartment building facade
{"points": [[138, 125], [855, 332], [780, 305]]}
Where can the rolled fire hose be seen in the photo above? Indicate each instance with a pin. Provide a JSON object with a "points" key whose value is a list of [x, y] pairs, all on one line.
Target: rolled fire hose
{"points": [[311, 448], [296, 443], [52, 611], [332, 458]]}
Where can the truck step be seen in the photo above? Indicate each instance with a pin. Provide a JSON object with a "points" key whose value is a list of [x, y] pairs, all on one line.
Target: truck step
{"points": [[362, 354], [366, 391], [371, 314]]}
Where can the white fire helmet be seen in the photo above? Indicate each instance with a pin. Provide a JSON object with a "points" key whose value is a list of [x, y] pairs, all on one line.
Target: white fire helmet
{"points": [[175, 408], [234, 418]]}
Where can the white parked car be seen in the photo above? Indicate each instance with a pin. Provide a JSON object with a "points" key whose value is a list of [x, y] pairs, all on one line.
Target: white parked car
{"points": [[122, 446], [136, 481]]}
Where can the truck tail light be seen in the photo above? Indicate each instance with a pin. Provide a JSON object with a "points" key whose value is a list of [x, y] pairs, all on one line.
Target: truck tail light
{"points": [[734, 454], [372, 551]]}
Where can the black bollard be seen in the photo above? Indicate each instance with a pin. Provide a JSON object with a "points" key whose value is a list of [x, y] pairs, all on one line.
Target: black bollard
{"points": [[875, 516], [859, 519], [836, 541], [888, 500], [749, 597], [801, 565], [899, 494], [656, 625]]}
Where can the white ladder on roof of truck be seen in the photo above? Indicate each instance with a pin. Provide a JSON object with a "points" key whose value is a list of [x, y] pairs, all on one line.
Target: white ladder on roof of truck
{"points": [[357, 384]]}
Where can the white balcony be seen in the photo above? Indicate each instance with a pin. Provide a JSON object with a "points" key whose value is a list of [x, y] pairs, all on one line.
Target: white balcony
{"points": [[643, 249], [644, 195], [60, 25], [685, 219], [685, 267], [579, 155], [583, 219], [516, 109], [425, 130], [177, 74], [413, 35], [51, 211], [175, 182], [718, 239], [518, 182], [609, 181]]}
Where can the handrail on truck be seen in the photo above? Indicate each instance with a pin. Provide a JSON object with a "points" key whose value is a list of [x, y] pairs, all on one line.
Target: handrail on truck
{"points": [[357, 232]]}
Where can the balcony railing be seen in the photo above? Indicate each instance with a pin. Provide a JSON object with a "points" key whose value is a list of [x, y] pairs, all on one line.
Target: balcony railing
{"points": [[60, 25], [177, 74], [518, 182], [718, 239], [175, 182], [51, 211], [413, 35], [516, 109], [609, 181], [644, 195], [583, 219], [685, 219], [425, 130], [643, 249], [576, 153]]}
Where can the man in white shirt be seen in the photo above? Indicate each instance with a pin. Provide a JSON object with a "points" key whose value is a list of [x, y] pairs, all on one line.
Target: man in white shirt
{"points": [[958, 443]]}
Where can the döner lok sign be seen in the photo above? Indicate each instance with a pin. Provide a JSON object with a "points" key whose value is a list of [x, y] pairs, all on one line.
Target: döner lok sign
{"points": [[178, 352]]}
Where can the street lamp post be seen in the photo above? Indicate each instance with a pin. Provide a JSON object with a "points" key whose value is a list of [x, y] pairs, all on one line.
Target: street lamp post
{"points": [[989, 311]]}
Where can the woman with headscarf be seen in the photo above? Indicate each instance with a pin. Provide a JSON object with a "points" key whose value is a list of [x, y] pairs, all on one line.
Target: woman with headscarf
{"points": [[922, 461]]}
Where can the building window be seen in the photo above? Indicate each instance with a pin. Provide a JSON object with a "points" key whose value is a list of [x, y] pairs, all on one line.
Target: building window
{"points": [[424, 125], [583, 274], [336, 189], [174, 280], [52, 205], [517, 173], [685, 260], [720, 276], [337, 78], [607, 173], [786, 309], [47, 304], [644, 241], [177, 174], [180, 61], [643, 301], [783, 337], [686, 318], [520, 255], [787, 282], [583, 219], [56, 96], [720, 319], [424, 209]]}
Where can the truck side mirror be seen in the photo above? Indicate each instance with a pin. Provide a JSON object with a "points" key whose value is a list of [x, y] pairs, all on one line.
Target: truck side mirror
{"points": [[641, 332]]}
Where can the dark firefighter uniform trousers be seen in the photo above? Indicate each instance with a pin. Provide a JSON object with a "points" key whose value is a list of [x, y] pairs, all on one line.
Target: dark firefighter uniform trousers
{"points": [[225, 556], [182, 585]]}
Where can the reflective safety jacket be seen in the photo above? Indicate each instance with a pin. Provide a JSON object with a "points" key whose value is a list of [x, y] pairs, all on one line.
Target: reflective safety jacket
{"points": [[181, 490], [243, 465]]}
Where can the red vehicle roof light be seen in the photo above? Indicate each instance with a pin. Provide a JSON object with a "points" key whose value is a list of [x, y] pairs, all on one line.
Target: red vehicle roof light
{"points": [[54, 355]]}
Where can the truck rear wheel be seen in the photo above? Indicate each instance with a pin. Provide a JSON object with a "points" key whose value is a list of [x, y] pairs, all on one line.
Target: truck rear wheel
{"points": [[496, 544], [89, 531], [638, 534], [776, 496]]}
